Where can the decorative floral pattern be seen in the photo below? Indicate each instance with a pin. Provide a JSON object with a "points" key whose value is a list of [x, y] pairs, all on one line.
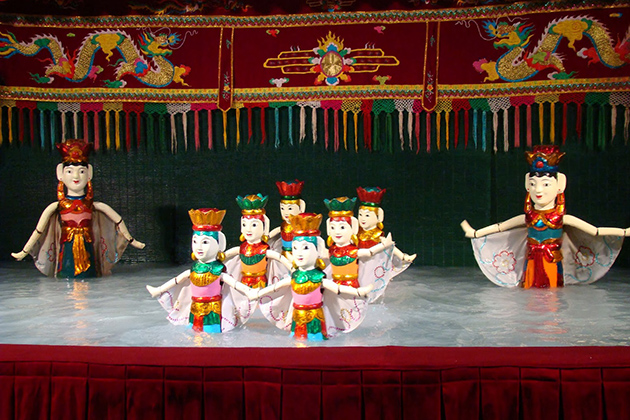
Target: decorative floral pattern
{"points": [[504, 262]]}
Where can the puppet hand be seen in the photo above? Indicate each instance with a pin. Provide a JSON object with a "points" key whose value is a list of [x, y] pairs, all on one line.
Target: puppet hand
{"points": [[137, 244], [409, 258], [468, 230], [155, 291], [387, 241], [19, 255]]}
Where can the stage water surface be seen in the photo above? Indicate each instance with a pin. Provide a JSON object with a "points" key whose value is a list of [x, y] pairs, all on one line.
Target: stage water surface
{"points": [[424, 306]]}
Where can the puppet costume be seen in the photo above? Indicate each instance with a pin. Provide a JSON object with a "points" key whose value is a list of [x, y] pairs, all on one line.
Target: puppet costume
{"points": [[384, 266], [77, 241], [545, 253], [344, 261], [306, 308]]}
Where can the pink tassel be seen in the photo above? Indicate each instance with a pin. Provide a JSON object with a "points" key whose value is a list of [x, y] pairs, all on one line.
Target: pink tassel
{"points": [[428, 121], [529, 126], [197, 140], [517, 126]]}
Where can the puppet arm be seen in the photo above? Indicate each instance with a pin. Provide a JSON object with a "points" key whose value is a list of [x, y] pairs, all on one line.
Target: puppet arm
{"points": [[347, 290], [385, 242], [255, 294], [590, 229], [120, 224], [278, 257], [238, 286], [512, 223], [404, 257], [39, 230], [157, 291], [232, 252], [274, 232]]}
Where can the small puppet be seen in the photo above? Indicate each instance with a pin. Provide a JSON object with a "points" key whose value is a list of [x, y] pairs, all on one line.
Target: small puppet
{"points": [[77, 237], [371, 216], [544, 247], [312, 306], [202, 296], [291, 204]]}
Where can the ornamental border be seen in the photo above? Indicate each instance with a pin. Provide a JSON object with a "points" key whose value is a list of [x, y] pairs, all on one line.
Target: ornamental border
{"points": [[339, 18]]}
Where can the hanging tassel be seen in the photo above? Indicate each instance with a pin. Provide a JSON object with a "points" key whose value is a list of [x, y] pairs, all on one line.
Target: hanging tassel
{"points": [[428, 130], [326, 133], [552, 123], [345, 130], [250, 132], [75, 119], [367, 130], [31, 120], [97, 133], [277, 128], [447, 121], [466, 126], [185, 127], [410, 129], [9, 115], [302, 123], [401, 130], [484, 122], [417, 132], [626, 126], [578, 125], [150, 132], [314, 124], [42, 135], [376, 143], [116, 130], [541, 122], [336, 128], [238, 126], [475, 117], [53, 129], [127, 132], [138, 127], [356, 127], [1, 136], [456, 127], [173, 134], [162, 132], [438, 129], [263, 130], [495, 128], [517, 126], [613, 122], [290, 111], [63, 126], [529, 125], [602, 128], [21, 125], [107, 131], [506, 144]]}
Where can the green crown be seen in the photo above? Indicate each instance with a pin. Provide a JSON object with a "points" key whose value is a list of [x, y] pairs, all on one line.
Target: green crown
{"points": [[340, 204], [252, 203]]}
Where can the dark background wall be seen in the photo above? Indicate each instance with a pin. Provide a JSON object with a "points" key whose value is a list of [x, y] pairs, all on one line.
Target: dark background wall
{"points": [[428, 195]]}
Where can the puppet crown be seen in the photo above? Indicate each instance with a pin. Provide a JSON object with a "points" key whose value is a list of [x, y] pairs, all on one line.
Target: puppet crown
{"points": [[74, 151], [340, 206], [252, 204], [206, 219], [290, 190], [371, 196], [544, 158], [306, 224]]}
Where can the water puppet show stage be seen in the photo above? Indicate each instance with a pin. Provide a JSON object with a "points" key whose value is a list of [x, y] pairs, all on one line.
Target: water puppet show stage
{"points": [[444, 343]]}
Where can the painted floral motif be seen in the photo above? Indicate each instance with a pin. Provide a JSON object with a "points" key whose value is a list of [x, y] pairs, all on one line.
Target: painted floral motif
{"points": [[504, 262], [584, 257]]}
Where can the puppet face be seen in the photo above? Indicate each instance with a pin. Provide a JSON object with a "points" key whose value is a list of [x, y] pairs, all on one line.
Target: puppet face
{"points": [[340, 231], [75, 178], [543, 190], [204, 247], [368, 219], [305, 253], [290, 209], [252, 229]]}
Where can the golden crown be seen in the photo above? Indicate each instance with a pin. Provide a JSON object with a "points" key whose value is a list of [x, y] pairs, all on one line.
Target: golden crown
{"points": [[306, 224], [206, 219]]}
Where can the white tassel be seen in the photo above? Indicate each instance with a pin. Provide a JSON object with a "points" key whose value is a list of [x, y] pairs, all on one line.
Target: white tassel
{"points": [[314, 124], [495, 124], [173, 134], [302, 124], [185, 125], [506, 144], [410, 129], [400, 130]]}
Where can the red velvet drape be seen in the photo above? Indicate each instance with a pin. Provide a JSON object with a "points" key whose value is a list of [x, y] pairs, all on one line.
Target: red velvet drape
{"points": [[55, 382]]}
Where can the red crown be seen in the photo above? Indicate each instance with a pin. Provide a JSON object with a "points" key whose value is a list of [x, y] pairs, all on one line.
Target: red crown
{"points": [[371, 196], [74, 151], [290, 190]]}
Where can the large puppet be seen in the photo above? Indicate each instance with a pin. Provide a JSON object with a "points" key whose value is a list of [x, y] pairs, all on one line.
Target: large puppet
{"points": [[545, 247], [202, 296], [312, 306], [371, 216], [257, 264], [291, 204], [75, 236]]}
